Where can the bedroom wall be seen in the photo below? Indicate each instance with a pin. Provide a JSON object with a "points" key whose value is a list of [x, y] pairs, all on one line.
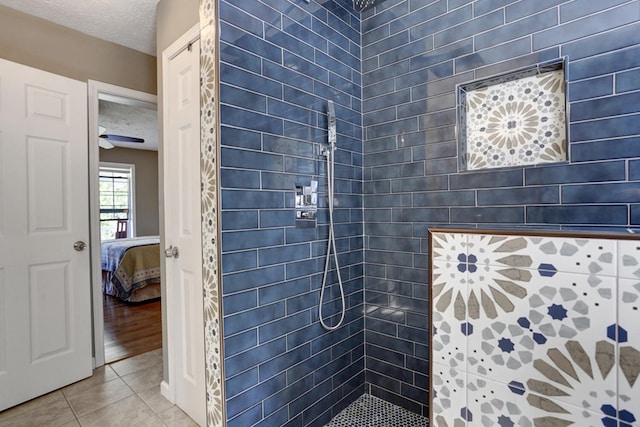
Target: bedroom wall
{"points": [[37, 43], [146, 180]]}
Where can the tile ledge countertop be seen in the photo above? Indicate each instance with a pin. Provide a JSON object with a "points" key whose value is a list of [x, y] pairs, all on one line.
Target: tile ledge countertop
{"points": [[538, 232]]}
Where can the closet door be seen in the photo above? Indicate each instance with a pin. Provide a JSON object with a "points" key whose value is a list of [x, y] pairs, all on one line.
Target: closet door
{"points": [[183, 236], [45, 317]]}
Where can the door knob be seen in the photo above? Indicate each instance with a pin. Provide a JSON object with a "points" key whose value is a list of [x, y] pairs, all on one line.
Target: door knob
{"points": [[79, 246], [172, 252]]}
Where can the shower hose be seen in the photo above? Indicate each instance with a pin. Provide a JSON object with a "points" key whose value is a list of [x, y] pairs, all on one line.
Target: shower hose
{"points": [[331, 244]]}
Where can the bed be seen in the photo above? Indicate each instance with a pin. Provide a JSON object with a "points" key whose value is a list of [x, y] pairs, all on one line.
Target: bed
{"points": [[131, 268]]}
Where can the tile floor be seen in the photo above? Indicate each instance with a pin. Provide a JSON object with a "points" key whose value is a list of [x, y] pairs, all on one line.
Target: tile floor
{"points": [[124, 393], [370, 411]]}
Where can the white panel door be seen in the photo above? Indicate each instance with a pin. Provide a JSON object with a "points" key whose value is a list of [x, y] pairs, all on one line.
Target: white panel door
{"points": [[45, 317], [182, 203]]}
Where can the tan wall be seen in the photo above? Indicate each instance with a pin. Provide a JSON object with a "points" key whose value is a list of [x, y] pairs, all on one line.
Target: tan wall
{"points": [[175, 17], [37, 43], [146, 180]]}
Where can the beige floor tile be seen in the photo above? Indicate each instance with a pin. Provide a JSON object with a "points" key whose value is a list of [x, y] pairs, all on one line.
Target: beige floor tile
{"points": [[155, 400], [99, 396], [141, 381], [137, 363], [32, 405], [175, 417], [131, 411], [100, 376], [53, 414], [153, 421], [103, 399]]}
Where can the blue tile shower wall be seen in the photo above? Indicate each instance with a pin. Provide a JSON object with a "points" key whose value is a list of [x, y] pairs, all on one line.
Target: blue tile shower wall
{"points": [[280, 61], [414, 52]]}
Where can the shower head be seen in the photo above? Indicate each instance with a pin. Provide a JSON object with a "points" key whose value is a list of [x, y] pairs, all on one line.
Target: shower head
{"points": [[361, 5], [331, 122]]}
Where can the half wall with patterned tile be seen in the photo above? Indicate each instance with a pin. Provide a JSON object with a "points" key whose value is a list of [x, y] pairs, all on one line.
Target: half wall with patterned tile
{"points": [[534, 329]]}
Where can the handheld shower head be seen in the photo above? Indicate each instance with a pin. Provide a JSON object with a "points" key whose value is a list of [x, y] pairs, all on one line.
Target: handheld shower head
{"points": [[331, 122]]}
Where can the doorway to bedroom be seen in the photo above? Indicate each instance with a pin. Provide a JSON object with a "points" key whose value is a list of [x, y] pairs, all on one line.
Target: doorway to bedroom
{"points": [[130, 264], [125, 205]]}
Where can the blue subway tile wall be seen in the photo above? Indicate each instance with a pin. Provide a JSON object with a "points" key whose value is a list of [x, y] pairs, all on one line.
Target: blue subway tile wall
{"points": [[414, 52], [281, 60]]}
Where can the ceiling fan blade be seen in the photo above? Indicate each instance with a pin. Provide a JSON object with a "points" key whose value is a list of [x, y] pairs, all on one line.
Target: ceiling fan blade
{"points": [[121, 138], [103, 143]]}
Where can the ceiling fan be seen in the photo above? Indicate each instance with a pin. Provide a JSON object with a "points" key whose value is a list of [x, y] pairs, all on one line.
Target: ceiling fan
{"points": [[105, 139]]}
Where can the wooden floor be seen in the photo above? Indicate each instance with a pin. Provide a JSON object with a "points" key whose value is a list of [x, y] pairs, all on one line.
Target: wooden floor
{"points": [[130, 329]]}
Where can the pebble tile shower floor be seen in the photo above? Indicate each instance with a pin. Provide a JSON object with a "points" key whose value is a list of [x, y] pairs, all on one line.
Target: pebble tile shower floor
{"points": [[370, 411]]}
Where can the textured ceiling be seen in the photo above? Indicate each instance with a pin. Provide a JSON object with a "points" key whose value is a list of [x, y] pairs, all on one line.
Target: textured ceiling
{"points": [[136, 119], [131, 23]]}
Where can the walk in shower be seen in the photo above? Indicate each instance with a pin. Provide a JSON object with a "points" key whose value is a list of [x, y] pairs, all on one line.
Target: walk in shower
{"points": [[391, 71]]}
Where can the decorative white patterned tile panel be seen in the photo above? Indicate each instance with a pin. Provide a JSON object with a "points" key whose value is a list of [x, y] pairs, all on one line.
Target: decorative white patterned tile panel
{"points": [[518, 119], [492, 403], [628, 337], [545, 254], [448, 344], [579, 373], [574, 255], [554, 310], [449, 314], [549, 329], [210, 227], [447, 246], [629, 258], [449, 397]]}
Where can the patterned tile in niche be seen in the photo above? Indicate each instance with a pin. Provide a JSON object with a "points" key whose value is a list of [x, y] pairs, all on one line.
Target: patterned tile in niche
{"points": [[518, 121], [370, 411]]}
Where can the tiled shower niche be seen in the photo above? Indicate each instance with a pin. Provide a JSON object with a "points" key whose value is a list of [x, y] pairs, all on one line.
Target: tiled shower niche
{"points": [[516, 119], [534, 330]]}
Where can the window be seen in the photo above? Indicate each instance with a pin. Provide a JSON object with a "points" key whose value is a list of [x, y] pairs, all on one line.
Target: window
{"points": [[116, 199]]}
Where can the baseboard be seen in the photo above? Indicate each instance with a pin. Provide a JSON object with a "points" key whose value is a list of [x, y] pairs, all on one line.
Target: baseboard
{"points": [[167, 392]]}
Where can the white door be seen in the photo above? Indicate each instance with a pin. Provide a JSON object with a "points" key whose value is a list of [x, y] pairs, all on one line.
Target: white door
{"points": [[45, 318], [182, 218]]}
